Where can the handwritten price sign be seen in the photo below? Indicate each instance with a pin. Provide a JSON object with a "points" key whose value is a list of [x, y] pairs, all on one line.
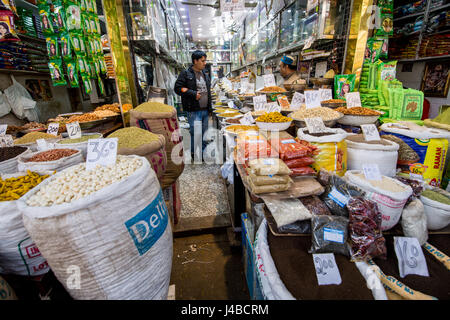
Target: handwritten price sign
{"points": [[259, 102], [74, 130], [269, 80], [410, 257], [101, 152], [327, 271], [6, 141], [325, 94], [315, 125], [370, 132], [3, 128], [353, 99], [53, 128], [272, 107], [297, 100], [312, 99]]}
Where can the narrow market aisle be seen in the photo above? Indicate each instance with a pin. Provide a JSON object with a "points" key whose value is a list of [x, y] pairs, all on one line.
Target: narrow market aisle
{"points": [[206, 267]]}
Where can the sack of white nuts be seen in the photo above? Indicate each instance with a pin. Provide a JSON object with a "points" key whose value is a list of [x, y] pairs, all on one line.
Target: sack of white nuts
{"points": [[106, 235]]}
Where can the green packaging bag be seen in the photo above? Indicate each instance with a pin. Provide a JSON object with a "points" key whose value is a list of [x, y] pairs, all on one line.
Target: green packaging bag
{"points": [[90, 46], [52, 47], [386, 71], [66, 47], [90, 5], [94, 7], [72, 73], [86, 84], [93, 24], [384, 47], [387, 25], [82, 65], [101, 87], [46, 20], [343, 83], [97, 24], [412, 104], [76, 43], [59, 16], [73, 16], [83, 5], [102, 63], [86, 23], [55, 66]]}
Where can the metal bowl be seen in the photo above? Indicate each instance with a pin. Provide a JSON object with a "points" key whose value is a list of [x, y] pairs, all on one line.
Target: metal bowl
{"points": [[273, 126], [353, 120], [296, 87]]}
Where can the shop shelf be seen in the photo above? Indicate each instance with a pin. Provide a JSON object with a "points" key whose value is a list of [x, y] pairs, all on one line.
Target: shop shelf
{"points": [[25, 72], [409, 16]]}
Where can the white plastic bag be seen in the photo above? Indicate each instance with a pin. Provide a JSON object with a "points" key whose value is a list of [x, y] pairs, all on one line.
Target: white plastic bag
{"points": [[118, 239], [5, 108], [58, 165], [16, 94], [414, 221], [18, 253]]}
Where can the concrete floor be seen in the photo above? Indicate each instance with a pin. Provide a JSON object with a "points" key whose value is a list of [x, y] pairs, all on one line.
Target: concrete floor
{"points": [[212, 270]]}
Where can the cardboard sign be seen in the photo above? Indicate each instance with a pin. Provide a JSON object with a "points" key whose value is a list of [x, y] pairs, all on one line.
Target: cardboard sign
{"points": [[325, 94], [410, 257], [259, 102], [74, 130], [272, 107], [297, 100], [327, 271], [315, 125], [371, 171], [370, 132], [247, 119], [6, 141], [353, 99], [101, 152], [321, 69], [42, 145], [312, 99], [269, 80], [53, 128]]}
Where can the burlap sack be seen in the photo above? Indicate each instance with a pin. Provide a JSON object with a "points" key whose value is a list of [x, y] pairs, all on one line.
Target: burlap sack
{"points": [[165, 123], [155, 152]]}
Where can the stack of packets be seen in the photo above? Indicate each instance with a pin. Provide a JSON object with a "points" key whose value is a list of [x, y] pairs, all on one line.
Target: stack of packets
{"points": [[296, 154], [266, 175], [252, 145]]}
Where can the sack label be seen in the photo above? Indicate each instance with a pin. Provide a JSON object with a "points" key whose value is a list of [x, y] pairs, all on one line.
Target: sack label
{"points": [[147, 226], [333, 235]]}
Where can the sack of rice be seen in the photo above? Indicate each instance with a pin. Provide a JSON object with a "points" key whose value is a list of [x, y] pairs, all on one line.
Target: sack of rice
{"points": [[162, 119]]}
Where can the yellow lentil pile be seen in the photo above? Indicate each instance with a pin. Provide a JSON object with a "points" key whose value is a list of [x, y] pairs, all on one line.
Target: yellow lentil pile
{"points": [[273, 117], [78, 140], [133, 137], [32, 137], [154, 107], [14, 188], [241, 127]]}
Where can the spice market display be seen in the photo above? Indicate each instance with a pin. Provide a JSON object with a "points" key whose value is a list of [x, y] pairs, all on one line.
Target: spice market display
{"points": [[275, 132]]}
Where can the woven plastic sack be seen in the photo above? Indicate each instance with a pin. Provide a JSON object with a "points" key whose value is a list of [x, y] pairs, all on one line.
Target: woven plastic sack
{"points": [[58, 165], [10, 165]]}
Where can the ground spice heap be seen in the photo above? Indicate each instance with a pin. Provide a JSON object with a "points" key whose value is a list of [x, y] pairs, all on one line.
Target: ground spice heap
{"points": [[79, 140], [51, 155], [7, 153], [32, 137], [358, 111], [154, 107], [133, 137]]}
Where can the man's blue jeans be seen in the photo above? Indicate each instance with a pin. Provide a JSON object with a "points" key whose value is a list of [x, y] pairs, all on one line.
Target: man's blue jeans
{"points": [[198, 116]]}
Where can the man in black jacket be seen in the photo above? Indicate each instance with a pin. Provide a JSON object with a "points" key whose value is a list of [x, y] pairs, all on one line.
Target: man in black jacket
{"points": [[194, 87]]}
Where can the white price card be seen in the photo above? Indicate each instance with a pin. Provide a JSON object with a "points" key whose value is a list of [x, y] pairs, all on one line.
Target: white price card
{"points": [[6, 141], [42, 145], [321, 69], [325, 94], [315, 125], [297, 100], [244, 82], [272, 107], [74, 130], [249, 88], [3, 128], [327, 271], [269, 80], [259, 102], [101, 152], [247, 119], [312, 99], [353, 99], [370, 132], [230, 104], [53, 128], [371, 171], [410, 257]]}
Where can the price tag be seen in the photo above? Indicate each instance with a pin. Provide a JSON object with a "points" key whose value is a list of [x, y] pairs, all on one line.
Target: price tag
{"points": [[272, 107], [42, 145], [327, 271], [269, 80], [101, 152], [308, 43], [247, 119], [297, 100], [315, 125], [353, 99], [284, 102], [371, 171], [53, 128], [230, 104], [410, 257], [6, 141], [74, 130], [249, 88], [325, 94], [312, 99], [259, 102], [370, 132], [321, 69], [3, 128]]}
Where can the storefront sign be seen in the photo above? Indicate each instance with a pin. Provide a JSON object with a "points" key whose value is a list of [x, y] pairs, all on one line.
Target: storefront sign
{"points": [[53, 128], [325, 94], [353, 99], [410, 257], [312, 99], [315, 125], [269, 80], [327, 271], [297, 100], [371, 171], [74, 130], [3, 128], [370, 132], [101, 152]]}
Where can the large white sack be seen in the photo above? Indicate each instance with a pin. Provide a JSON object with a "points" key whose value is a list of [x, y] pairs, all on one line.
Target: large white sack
{"points": [[58, 165], [18, 253], [10, 165], [117, 239]]}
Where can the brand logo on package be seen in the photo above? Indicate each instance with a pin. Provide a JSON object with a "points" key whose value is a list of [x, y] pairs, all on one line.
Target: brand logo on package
{"points": [[148, 225]]}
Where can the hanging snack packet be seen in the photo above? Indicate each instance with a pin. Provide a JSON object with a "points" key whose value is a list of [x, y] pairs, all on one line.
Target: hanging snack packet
{"points": [[83, 48], [387, 25], [55, 67], [59, 17], [66, 48], [343, 83], [82, 65], [72, 73], [46, 20], [7, 28], [97, 66], [94, 7], [73, 16], [97, 24], [386, 71], [52, 47], [93, 24], [90, 46], [86, 23], [384, 48], [86, 84], [90, 5], [93, 72], [76, 43], [101, 87], [102, 63], [83, 5]]}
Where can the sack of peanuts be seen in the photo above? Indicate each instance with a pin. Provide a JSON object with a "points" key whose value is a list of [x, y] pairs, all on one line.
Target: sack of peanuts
{"points": [[162, 119]]}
